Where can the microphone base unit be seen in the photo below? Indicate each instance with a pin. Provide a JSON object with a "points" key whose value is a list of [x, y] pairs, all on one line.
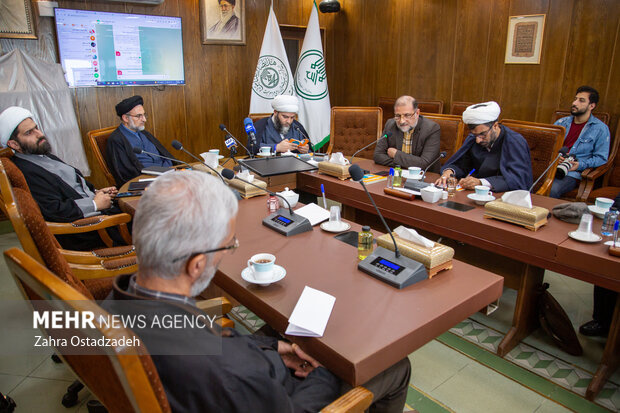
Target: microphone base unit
{"points": [[287, 224], [400, 272]]}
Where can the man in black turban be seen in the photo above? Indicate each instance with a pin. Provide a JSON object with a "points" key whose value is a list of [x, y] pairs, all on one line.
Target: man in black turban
{"points": [[122, 161]]}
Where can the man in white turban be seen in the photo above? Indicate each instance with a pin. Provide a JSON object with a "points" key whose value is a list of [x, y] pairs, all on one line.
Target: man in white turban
{"points": [[492, 155], [281, 132], [60, 190]]}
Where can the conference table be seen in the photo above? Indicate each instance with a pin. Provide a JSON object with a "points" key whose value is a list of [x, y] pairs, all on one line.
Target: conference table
{"points": [[372, 325], [490, 243]]}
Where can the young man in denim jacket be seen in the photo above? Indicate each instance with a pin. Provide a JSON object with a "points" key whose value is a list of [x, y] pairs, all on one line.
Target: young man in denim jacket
{"points": [[586, 137]]}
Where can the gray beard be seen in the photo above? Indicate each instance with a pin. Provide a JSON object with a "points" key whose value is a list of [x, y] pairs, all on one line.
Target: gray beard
{"points": [[282, 130], [203, 282]]}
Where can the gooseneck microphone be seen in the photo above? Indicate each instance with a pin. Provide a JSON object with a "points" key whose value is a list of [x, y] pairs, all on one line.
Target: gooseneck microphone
{"points": [[284, 221], [442, 154], [357, 175], [179, 146], [385, 135], [399, 271], [251, 131], [230, 135], [138, 151], [563, 152]]}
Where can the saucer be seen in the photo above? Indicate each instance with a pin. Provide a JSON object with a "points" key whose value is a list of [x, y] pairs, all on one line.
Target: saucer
{"points": [[278, 273], [585, 237], [415, 177], [220, 157], [262, 155], [597, 212], [481, 200], [329, 227], [609, 243]]}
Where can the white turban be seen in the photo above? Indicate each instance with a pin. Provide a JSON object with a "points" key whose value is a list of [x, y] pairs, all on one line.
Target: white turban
{"points": [[285, 103], [481, 113], [10, 118]]}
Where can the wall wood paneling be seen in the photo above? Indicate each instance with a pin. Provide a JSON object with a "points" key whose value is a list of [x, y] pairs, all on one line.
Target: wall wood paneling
{"points": [[452, 50]]}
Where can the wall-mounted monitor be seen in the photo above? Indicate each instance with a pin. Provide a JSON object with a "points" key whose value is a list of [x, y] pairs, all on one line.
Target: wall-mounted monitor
{"points": [[118, 49]]}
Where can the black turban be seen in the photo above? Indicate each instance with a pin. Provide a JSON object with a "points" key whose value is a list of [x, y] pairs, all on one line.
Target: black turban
{"points": [[128, 104]]}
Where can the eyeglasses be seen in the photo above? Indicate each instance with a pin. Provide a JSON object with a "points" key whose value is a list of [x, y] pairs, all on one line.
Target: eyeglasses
{"points": [[482, 134], [138, 116], [407, 116], [233, 247]]}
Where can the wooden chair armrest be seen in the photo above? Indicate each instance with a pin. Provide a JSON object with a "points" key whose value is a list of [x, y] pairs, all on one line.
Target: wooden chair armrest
{"points": [[95, 257], [545, 188], [585, 172], [106, 269], [215, 304], [88, 224], [597, 172], [357, 399]]}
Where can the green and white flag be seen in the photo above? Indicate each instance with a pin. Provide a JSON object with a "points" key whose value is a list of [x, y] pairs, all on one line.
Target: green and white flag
{"points": [[311, 84], [273, 75]]}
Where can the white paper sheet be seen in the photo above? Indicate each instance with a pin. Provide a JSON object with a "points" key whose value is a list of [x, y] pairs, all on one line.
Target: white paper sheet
{"points": [[314, 213], [311, 313]]}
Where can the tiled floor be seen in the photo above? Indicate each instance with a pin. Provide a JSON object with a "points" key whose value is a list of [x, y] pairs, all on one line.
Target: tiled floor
{"points": [[451, 373]]}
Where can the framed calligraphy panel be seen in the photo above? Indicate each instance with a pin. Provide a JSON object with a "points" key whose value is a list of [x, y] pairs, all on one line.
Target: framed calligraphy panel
{"points": [[525, 36]]}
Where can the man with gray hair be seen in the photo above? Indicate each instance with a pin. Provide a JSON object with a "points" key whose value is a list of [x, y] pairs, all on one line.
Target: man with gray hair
{"points": [[414, 140], [492, 155], [184, 226]]}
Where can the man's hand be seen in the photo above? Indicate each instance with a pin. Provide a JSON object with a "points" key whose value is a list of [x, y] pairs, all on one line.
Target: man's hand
{"points": [[111, 190], [303, 148], [469, 182], [574, 165], [442, 180], [392, 152], [286, 146], [296, 359], [102, 200]]}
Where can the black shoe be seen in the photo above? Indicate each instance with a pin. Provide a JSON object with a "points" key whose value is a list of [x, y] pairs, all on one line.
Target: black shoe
{"points": [[593, 329]]}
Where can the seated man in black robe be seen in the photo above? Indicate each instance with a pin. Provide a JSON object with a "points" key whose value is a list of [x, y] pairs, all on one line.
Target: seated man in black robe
{"points": [[124, 164], [492, 155], [226, 371], [280, 131], [60, 190]]}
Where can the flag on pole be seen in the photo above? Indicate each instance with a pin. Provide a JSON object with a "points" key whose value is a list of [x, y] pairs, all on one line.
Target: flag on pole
{"points": [[273, 74], [311, 84]]}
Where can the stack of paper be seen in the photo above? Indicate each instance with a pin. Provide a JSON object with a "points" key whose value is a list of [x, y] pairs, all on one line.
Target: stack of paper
{"points": [[311, 313]]}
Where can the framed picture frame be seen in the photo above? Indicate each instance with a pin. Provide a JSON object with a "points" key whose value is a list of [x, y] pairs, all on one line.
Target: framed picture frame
{"points": [[17, 20], [222, 22], [525, 37]]}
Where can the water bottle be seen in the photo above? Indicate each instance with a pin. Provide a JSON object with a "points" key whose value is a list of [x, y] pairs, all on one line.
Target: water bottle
{"points": [[398, 177], [390, 179], [608, 222], [364, 243]]}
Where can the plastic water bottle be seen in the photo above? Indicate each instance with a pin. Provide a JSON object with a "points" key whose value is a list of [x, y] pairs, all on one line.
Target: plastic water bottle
{"points": [[608, 222], [364, 243], [390, 179], [398, 177]]}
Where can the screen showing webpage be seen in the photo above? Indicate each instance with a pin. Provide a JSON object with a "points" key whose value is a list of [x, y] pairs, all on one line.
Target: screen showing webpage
{"points": [[119, 49]]}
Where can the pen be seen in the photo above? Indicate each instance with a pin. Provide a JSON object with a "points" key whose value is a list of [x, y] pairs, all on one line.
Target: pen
{"points": [[324, 200], [471, 172], [616, 224]]}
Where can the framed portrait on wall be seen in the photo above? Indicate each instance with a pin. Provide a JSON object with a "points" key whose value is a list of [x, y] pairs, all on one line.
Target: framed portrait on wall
{"points": [[17, 19], [525, 36], [222, 21]]}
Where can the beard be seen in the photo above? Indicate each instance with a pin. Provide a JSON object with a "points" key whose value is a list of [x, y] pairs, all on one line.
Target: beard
{"points": [[404, 128], [203, 281], [134, 127], [282, 129], [42, 147], [492, 138], [226, 15], [576, 112]]}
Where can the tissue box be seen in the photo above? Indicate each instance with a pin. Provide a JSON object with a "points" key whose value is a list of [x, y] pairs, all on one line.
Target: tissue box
{"points": [[333, 169], [530, 218], [434, 259]]}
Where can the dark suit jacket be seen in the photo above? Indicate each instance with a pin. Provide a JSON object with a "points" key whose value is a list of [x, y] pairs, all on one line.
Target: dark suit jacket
{"points": [[246, 374], [424, 149], [119, 156], [266, 134]]}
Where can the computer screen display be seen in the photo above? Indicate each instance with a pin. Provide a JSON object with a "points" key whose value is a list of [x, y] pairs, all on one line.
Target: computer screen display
{"points": [[118, 49]]}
